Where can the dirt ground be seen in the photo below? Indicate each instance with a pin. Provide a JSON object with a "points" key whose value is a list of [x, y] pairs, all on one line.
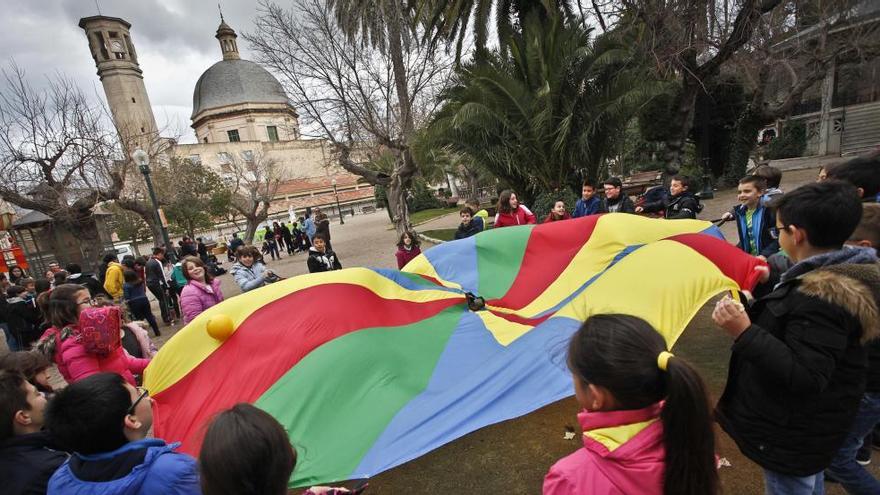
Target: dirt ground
{"points": [[513, 456]]}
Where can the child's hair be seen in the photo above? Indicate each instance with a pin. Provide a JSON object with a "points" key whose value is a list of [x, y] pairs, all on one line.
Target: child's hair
{"points": [[198, 262], [685, 180], [25, 281], [140, 260], [109, 258], [28, 363], [868, 228], [473, 203], [862, 172], [63, 309], [15, 290], [128, 261], [772, 175], [60, 277], [759, 182], [320, 235], [588, 183], [465, 209], [504, 201], [828, 211], [40, 286], [613, 182], [87, 416], [13, 398], [251, 251], [131, 277], [411, 235], [620, 353], [246, 452]]}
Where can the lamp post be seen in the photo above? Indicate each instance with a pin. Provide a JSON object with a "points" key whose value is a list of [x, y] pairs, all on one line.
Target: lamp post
{"points": [[142, 159], [336, 192]]}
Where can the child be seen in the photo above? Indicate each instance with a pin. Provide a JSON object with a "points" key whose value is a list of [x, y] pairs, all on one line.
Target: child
{"points": [[135, 295], [558, 212], [30, 288], [681, 203], [754, 222], [321, 258], [468, 225], [863, 173], [616, 200], [846, 468], [511, 212], [407, 248], [480, 216], [797, 370], [773, 177], [22, 317], [588, 204], [32, 365], [647, 426]]}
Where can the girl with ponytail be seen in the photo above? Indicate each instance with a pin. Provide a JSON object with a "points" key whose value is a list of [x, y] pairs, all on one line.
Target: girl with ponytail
{"points": [[647, 422]]}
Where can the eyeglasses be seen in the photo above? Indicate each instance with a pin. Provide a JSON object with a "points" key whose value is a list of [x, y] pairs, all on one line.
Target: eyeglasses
{"points": [[144, 393], [86, 302]]}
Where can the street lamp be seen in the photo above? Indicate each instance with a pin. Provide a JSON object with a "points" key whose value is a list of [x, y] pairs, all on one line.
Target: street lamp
{"points": [[336, 192], [142, 159]]}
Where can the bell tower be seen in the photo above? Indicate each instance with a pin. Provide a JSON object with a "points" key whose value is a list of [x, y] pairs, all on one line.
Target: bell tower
{"points": [[113, 51]]}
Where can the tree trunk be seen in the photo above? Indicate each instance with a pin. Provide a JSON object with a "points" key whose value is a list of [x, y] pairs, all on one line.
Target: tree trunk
{"points": [[249, 231], [680, 125], [146, 213], [744, 139], [85, 231]]}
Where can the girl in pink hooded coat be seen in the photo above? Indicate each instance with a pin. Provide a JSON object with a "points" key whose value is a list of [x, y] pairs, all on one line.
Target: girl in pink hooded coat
{"points": [[86, 340], [646, 422]]}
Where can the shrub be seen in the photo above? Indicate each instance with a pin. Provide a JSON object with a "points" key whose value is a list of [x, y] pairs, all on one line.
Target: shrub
{"points": [[791, 144]]}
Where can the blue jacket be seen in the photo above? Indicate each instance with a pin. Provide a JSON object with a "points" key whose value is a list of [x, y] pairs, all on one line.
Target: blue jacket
{"points": [[763, 229], [162, 471], [249, 278], [310, 228], [589, 207]]}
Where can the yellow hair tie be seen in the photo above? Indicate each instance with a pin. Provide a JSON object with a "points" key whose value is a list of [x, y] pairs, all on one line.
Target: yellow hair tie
{"points": [[663, 359]]}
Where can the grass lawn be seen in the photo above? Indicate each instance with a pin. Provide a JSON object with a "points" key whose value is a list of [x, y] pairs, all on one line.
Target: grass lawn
{"points": [[441, 234], [425, 215]]}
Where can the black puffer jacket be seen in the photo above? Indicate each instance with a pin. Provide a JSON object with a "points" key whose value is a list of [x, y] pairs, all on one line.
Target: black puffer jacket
{"points": [[797, 374], [27, 462], [685, 205]]}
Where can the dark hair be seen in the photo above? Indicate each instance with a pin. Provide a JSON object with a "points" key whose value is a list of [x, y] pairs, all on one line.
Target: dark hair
{"points": [[128, 261], [771, 174], [245, 452], [109, 257], [15, 290], [504, 201], [869, 226], [26, 281], [198, 262], [158, 250], [40, 286], [588, 183], [28, 363], [862, 172], [473, 201], [828, 211], [131, 277], [73, 268], [251, 251], [619, 353], [63, 309], [612, 181], [13, 398], [320, 235], [140, 260], [412, 236], [88, 416], [684, 179], [466, 209], [759, 182], [59, 277]]}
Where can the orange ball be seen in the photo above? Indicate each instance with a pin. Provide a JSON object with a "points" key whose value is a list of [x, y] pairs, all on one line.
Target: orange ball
{"points": [[220, 327]]}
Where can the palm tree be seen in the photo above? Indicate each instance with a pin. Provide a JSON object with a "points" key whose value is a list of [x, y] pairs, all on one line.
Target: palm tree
{"points": [[548, 112], [387, 24]]}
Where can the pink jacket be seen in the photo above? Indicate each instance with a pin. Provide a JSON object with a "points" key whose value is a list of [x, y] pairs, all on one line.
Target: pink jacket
{"points": [[196, 297], [623, 454], [75, 363]]}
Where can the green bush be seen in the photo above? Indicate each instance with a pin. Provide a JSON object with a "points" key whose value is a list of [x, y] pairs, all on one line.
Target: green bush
{"points": [[420, 197], [791, 144]]}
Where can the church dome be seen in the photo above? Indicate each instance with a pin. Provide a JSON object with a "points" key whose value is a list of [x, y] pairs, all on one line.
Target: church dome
{"points": [[233, 82]]}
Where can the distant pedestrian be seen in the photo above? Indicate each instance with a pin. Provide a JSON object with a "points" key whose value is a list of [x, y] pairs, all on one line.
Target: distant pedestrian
{"points": [[407, 248], [322, 226], [136, 298]]}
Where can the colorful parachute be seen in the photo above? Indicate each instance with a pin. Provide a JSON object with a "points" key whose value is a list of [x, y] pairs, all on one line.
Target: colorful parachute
{"points": [[369, 368]]}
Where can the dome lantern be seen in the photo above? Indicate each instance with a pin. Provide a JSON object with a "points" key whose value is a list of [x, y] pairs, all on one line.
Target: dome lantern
{"points": [[226, 35]]}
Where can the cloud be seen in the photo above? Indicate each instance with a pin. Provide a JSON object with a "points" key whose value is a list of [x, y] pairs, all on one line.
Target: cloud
{"points": [[174, 40]]}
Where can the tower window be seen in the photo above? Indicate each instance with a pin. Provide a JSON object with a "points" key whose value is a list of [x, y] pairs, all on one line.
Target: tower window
{"points": [[143, 130], [205, 140], [273, 133], [132, 100], [99, 41], [233, 136], [114, 34]]}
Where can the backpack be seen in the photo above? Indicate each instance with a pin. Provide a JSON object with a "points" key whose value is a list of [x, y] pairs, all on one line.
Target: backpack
{"points": [[99, 330]]}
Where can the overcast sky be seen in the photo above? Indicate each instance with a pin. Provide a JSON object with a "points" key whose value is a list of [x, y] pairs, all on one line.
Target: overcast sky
{"points": [[174, 40]]}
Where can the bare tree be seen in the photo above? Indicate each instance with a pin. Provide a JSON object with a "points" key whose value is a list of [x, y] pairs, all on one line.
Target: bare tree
{"points": [[348, 93], [56, 154], [253, 180]]}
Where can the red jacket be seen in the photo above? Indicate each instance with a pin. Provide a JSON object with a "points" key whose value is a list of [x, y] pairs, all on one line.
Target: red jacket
{"points": [[520, 216], [625, 455], [404, 256], [565, 216]]}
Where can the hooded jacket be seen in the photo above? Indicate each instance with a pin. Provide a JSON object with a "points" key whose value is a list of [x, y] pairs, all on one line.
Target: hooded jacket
{"points": [[249, 278], [625, 457], [114, 280], [322, 262], [27, 462], [197, 297], [520, 216], [684, 205], [797, 374], [763, 225], [144, 467], [468, 230]]}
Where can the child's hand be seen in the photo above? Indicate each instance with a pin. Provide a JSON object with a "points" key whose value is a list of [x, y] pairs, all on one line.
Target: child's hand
{"points": [[639, 209], [731, 316], [765, 273], [727, 216]]}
